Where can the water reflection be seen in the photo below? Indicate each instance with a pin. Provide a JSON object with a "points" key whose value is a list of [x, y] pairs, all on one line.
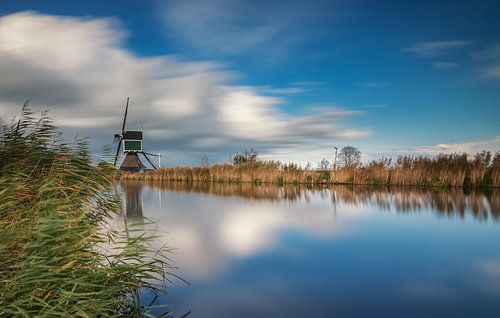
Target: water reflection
{"points": [[213, 233], [481, 205], [453, 202], [268, 251], [133, 200]]}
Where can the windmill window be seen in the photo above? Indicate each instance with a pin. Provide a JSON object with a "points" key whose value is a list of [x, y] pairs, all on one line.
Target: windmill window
{"points": [[132, 145]]}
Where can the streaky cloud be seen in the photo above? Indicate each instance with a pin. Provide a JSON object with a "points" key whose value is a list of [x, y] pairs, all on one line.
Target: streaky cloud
{"points": [[80, 69], [470, 147], [435, 48]]}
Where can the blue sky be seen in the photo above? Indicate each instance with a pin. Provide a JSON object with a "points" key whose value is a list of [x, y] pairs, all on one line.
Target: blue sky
{"points": [[289, 78]]}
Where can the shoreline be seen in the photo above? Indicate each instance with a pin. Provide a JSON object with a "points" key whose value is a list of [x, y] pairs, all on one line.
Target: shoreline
{"points": [[481, 170], [232, 181]]}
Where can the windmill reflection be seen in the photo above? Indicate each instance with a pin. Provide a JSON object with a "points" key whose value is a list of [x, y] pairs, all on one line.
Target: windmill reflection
{"points": [[133, 200]]}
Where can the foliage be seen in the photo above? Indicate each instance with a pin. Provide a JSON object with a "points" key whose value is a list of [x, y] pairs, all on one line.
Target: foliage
{"points": [[58, 256], [350, 156], [247, 156]]}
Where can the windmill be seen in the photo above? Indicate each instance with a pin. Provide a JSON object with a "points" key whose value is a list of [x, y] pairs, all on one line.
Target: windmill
{"points": [[131, 141]]}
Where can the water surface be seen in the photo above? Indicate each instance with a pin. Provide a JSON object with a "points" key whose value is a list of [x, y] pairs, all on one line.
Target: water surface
{"points": [[269, 251]]}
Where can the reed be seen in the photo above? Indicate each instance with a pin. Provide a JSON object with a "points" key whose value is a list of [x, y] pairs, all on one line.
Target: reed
{"points": [[253, 172], [450, 170], [58, 255], [445, 170]]}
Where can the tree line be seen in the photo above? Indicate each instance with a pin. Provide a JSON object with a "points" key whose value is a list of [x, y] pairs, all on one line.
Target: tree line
{"points": [[444, 170]]}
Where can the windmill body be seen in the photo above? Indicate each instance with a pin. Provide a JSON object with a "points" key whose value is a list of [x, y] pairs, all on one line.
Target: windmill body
{"points": [[132, 147], [132, 143]]}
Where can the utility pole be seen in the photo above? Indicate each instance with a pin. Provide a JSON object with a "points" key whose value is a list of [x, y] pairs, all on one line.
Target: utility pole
{"points": [[335, 159], [159, 160]]}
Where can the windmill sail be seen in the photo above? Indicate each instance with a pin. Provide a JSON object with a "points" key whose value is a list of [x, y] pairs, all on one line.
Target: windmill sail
{"points": [[119, 137], [131, 142]]}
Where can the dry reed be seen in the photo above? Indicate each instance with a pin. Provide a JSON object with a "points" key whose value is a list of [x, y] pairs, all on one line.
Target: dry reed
{"points": [[453, 170]]}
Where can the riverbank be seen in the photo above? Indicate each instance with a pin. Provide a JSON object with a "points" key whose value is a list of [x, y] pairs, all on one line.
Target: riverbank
{"points": [[59, 256], [455, 170]]}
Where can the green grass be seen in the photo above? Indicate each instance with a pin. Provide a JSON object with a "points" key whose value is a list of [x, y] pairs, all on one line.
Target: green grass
{"points": [[58, 256]]}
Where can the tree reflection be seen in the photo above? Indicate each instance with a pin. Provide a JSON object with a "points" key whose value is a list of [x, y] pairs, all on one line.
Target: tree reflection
{"points": [[452, 202], [482, 205]]}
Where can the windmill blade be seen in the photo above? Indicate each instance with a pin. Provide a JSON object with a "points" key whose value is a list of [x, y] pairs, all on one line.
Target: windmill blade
{"points": [[151, 154], [149, 160], [118, 151], [118, 137], [125, 117]]}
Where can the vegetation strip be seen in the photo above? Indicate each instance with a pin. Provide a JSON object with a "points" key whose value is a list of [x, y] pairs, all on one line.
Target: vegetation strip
{"points": [[58, 254], [445, 170]]}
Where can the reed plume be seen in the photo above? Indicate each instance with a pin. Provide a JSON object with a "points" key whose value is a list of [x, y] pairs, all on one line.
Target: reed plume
{"points": [[58, 257], [445, 170]]}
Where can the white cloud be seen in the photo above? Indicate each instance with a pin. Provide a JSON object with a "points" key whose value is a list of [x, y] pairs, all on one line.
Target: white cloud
{"points": [[443, 65], [485, 60], [491, 58], [471, 147], [435, 48], [292, 90], [308, 83], [242, 27], [79, 69]]}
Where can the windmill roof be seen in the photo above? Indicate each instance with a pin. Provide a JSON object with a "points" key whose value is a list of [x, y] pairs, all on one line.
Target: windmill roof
{"points": [[132, 135]]}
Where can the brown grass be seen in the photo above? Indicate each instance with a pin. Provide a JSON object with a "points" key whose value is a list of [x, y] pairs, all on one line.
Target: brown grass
{"points": [[255, 172], [453, 170]]}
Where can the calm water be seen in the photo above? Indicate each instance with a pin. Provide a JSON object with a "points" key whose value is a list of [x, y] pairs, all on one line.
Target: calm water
{"points": [[265, 251]]}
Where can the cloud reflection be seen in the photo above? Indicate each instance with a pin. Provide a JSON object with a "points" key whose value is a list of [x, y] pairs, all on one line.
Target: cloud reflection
{"points": [[210, 234], [214, 233], [489, 271]]}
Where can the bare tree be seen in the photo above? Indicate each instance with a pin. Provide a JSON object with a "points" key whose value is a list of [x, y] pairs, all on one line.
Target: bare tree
{"points": [[350, 156], [323, 165], [246, 157], [204, 161]]}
